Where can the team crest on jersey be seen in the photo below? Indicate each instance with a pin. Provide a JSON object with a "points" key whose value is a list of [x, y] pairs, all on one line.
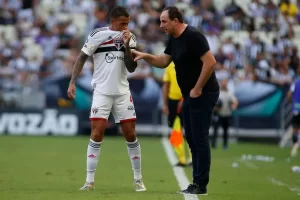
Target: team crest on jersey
{"points": [[118, 42]]}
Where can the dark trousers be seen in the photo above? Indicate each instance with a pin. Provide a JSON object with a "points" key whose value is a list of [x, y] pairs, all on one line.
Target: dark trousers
{"points": [[225, 123], [172, 106], [197, 117]]}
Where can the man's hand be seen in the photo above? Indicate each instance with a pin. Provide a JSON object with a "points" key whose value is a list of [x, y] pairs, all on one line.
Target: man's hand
{"points": [[195, 92], [126, 37], [179, 106], [72, 91], [165, 109], [233, 106], [138, 55]]}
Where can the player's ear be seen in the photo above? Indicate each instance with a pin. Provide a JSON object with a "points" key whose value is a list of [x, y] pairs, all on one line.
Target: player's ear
{"points": [[112, 20], [175, 21]]}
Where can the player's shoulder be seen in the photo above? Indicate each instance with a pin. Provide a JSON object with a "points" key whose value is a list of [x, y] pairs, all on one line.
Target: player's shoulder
{"points": [[97, 31], [193, 32]]}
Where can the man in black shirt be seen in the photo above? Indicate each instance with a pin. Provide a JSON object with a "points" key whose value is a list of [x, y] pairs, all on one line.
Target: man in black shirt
{"points": [[194, 65]]}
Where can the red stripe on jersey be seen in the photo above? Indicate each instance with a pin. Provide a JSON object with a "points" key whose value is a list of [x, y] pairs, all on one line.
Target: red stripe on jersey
{"points": [[108, 42]]}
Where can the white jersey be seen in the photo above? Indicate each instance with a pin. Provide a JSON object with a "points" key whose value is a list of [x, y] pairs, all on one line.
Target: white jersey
{"points": [[107, 48]]}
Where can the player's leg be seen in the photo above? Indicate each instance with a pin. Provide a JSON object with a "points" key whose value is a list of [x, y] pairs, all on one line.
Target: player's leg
{"points": [[201, 109], [124, 113], [186, 117], [295, 146], [100, 111], [295, 136], [215, 124], [225, 126], [178, 146]]}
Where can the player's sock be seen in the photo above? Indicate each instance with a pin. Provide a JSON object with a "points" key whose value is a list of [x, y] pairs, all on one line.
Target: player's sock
{"points": [[134, 152], [286, 137], [190, 156], [180, 151], [295, 137], [93, 153]]}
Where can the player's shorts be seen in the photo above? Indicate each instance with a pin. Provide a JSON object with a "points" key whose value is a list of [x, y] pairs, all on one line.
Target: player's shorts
{"points": [[121, 106], [296, 120]]}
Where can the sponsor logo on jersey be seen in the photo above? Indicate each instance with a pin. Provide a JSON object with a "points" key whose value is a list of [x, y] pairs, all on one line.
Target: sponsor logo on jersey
{"points": [[110, 57]]}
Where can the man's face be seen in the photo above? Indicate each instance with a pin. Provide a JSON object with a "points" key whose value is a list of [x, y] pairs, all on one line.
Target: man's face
{"points": [[166, 24], [120, 23]]}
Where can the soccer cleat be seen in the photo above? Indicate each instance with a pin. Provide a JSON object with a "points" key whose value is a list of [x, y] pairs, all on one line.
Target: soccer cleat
{"points": [[139, 185], [195, 189], [88, 186], [180, 164]]}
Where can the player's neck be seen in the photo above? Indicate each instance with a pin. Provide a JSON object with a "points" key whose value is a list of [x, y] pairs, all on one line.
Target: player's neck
{"points": [[112, 28], [180, 29]]}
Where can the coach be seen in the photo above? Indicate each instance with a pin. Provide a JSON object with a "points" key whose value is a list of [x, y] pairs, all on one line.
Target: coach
{"points": [[194, 65]]}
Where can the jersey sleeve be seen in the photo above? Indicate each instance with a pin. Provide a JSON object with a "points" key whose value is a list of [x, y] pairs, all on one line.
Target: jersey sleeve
{"points": [[199, 43], [94, 40], [132, 42]]}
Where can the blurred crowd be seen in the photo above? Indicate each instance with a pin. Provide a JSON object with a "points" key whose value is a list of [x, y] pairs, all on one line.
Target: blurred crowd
{"points": [[251, 39]]}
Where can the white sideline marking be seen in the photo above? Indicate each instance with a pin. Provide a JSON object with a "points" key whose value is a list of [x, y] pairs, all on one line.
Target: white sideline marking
{"points": [[249, 164], [179, 173], [280, 183]]}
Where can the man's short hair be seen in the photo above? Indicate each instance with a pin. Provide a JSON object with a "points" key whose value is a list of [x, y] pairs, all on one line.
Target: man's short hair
{"points": [[101, 7], [117, 12], [174, 13]]}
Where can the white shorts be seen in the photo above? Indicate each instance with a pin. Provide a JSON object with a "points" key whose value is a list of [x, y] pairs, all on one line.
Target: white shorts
{"points": [[121, 106]]}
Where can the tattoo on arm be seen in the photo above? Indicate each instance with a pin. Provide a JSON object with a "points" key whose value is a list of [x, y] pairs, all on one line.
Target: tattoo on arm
{"points": [[129, 61], [77, 68]]}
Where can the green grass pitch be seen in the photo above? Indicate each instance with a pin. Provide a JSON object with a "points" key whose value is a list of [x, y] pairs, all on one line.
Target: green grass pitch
{"points": [[42, 168]]}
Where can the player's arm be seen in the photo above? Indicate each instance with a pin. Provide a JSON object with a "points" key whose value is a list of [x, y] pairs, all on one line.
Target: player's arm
{"points": [[87, 50], [165, 90], [235, 102], [209, 62], [129, 60], [159, 61], [290, 92], [207, 58], [77, 68], [129, 43]]}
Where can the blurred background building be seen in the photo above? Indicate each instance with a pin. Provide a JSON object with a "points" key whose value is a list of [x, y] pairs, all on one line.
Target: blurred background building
{"points": [[255, 43]]}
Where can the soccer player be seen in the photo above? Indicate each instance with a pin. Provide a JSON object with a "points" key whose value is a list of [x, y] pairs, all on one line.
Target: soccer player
{"points": [[294, 95], [172, 105], [194, 65], [226, 104], [111, 51]]}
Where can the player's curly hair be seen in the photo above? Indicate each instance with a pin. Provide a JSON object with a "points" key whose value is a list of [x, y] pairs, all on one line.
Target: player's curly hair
{"points": [[118, 11], [174, 13]]}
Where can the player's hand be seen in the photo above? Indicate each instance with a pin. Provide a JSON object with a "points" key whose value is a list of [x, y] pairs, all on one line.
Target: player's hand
{"points": [[179, 106], [233, 106], [72, 91], [126, 37], [165, 109], [195, 92], [137, 55]]}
